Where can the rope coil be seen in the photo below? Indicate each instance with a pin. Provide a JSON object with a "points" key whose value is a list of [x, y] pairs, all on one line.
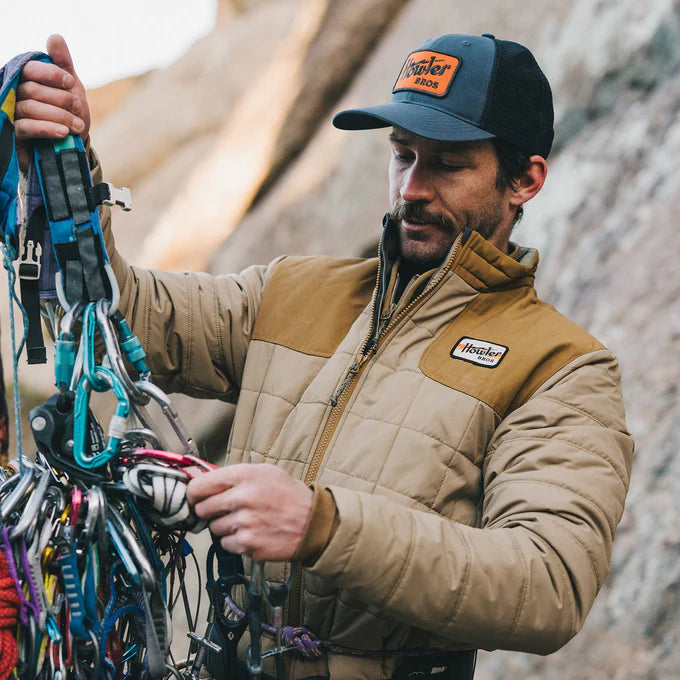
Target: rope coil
{"points": [[9, 617]]}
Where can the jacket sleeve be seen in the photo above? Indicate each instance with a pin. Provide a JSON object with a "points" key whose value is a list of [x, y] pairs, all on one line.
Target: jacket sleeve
{"points": [[555, 476], [195, 328]]}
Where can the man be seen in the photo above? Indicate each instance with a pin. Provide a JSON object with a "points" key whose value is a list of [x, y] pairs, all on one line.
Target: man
{"points": [[445, 454]]}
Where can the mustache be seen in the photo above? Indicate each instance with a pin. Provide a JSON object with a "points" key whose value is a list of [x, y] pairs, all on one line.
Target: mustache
{"points": [[418, 214]]}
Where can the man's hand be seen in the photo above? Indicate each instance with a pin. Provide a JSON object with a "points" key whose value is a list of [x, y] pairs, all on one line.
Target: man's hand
{"points": [[51, 100], [259, 510]]}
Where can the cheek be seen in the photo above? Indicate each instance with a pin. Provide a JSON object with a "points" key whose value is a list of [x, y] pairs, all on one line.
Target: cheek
{"points": [[394, 184]]}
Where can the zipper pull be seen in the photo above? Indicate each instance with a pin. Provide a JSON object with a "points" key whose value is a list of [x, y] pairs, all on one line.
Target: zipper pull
{"points": [[352, 371]]}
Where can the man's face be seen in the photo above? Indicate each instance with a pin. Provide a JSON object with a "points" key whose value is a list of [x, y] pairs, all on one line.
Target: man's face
{"points": [[439, 188]]}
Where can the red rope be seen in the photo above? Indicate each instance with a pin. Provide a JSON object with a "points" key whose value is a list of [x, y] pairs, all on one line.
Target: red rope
{"points": [[9, 608]]}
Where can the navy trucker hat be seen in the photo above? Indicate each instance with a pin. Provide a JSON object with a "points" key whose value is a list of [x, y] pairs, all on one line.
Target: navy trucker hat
{"points": [[461, 87]]}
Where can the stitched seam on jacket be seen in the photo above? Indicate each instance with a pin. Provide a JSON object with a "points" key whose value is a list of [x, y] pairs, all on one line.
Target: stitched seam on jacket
{"points": [[409, 557], [600, 350], [375, 483], [421, 432], [219, 322], [420, 325], [390, 447], [277, 396], [188, 352], [354, 540], [523, 593], [257, 401], [311, 402], [466, 580], [419, 504], [573, 407], [277, 459], [456, 450], [564, 487], [147, 314], [584, 549], [576, 445]]}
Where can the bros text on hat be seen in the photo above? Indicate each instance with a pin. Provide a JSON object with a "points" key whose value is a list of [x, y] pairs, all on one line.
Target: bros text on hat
{"points": [[479, 352], [427, 71]]}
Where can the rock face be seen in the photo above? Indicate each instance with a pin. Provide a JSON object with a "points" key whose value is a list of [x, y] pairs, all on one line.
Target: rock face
{"points": [[605, 223]]}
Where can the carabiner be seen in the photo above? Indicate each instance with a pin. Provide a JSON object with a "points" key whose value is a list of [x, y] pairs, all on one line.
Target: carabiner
{"points": [[30, 514], [87, 345], [170, 414], [19, 485], [117, 425], [113, 351]]}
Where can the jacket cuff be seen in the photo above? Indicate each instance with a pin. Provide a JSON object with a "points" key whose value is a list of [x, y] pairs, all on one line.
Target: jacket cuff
{"points": [[321, 525]]}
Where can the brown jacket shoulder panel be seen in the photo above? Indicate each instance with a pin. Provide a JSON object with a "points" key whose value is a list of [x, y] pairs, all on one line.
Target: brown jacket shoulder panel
{"points": [[503, 347], [310, 303]]}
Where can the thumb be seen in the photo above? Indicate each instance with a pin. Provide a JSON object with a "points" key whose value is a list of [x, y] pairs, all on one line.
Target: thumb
{"points": [[59, 53]]}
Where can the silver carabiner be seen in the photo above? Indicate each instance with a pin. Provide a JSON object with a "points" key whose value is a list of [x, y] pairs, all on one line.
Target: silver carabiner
{"points": [[170, 414], [146, 570], [29, 517], [113, 353], [20, 488]]}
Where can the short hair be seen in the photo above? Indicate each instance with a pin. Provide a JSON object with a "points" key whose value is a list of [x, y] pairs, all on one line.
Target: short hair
{"points": [[512, 165]]}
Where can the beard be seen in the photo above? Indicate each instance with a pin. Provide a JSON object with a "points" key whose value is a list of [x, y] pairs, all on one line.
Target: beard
{"points": [[429, 251]]}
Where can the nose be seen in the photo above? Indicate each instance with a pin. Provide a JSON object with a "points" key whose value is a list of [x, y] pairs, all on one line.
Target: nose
{"points": [[416, 184]]}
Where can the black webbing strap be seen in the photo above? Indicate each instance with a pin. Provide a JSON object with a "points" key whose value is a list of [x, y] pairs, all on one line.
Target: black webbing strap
{"points": [[75, 186], [57, 205], [29, 284], [73, 280], [90, 258]]}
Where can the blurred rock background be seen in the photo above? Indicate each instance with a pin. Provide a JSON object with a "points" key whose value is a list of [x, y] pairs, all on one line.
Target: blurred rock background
{"points": [[232, 160]]}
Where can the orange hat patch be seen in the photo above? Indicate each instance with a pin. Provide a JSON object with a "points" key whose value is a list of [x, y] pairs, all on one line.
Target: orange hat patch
{"points": [[429, 72]]}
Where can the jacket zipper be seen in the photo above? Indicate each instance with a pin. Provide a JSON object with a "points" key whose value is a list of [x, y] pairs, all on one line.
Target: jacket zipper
{"points": [[342, 394]]}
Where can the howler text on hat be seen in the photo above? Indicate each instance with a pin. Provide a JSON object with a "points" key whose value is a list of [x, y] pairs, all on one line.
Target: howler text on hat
{"points": [[461, 87]]}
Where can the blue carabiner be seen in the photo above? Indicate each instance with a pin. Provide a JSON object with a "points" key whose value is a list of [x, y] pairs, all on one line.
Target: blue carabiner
{"points": [[117, 426], [89, 363]]}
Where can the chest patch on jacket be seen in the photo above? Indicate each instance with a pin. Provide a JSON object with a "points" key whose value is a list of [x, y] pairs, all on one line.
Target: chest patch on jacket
{"points": [[541, 342], [479, 352]]}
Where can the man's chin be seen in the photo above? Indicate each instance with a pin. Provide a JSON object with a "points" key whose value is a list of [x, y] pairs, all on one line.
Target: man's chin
{"points": [[422, 256]]}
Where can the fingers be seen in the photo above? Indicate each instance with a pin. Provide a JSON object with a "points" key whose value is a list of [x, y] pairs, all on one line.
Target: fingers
{"points": [[46, 107], [47, 74], [63, 99], [59, 53], [34, 115], [51, 100], [216, 481]]}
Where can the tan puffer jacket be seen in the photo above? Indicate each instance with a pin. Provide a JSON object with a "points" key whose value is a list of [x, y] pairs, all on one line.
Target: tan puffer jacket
{"points": [[478, 454]]}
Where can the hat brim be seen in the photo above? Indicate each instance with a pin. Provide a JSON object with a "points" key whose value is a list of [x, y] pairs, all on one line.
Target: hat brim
{"points": [[420, 120]]}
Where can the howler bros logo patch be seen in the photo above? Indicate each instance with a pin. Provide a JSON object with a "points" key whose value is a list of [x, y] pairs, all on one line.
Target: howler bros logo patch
{"points": [[480, 352], [426, 71]]}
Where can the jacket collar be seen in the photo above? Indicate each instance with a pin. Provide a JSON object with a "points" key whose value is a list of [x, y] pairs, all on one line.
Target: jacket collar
{"points": [[473, 258]]}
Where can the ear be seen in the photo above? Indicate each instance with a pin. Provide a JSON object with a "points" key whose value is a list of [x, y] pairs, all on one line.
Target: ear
{"points": [[531, 182]]}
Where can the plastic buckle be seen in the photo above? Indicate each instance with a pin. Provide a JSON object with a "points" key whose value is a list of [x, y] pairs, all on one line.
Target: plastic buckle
{"points": [[29, 262], [121, 197]]}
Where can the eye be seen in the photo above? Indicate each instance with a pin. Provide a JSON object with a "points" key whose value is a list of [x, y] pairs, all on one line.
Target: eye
{"points": [[451, 165], [401, 154]]}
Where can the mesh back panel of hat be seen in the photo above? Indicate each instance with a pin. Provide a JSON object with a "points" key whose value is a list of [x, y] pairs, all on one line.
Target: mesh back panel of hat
{"points": [[519, 106]]}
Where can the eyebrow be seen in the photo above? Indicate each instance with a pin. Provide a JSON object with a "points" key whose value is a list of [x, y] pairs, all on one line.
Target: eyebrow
{"points": [[399, 137]]}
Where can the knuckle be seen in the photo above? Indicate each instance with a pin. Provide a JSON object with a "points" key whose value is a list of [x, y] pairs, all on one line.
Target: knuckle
{"points": [[26, 90]]}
